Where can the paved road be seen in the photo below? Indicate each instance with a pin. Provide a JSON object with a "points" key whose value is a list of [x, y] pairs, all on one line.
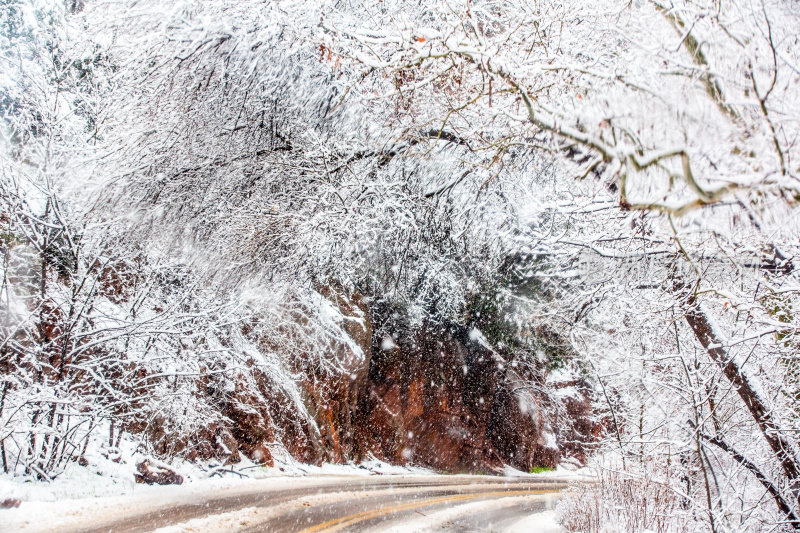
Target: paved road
{"points": [[369, 503]]}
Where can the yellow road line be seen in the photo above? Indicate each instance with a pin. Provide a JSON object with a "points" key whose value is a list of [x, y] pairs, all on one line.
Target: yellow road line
{"points": [[339, 523]]}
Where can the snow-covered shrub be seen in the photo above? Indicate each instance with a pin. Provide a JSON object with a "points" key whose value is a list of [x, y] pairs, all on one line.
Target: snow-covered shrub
{"points": [[648, 497]]}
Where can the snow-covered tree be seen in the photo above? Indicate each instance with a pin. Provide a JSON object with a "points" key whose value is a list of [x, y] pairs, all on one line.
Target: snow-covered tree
{"points": [[621, 177]]}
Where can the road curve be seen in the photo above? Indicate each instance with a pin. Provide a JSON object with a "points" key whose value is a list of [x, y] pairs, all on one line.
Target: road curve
{"points": [[330, 503]]}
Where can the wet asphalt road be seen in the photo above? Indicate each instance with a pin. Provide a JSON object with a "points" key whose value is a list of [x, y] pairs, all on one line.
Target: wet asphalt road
{"points": [[370, 503]]}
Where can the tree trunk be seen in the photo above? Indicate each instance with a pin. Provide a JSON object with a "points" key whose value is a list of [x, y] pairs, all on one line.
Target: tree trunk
{"points": [[781, 448]]}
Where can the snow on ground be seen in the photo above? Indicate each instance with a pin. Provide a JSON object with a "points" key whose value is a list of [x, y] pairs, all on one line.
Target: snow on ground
{"points": [[106, 485], [106, 488], [445, 519], [244, 518], [64, 514], [536, 523], [111, 473], [221, 523], [286, 465], [564, 470], [72, 513], [104, 477]]}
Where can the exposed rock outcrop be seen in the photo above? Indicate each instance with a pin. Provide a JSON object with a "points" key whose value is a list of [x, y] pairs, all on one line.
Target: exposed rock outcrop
{"points": [[158, 474], [437, 395], [442, 397]]}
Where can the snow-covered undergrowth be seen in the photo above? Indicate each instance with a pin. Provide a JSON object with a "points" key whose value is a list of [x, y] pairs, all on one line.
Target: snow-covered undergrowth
{"points": [[629, 500]]}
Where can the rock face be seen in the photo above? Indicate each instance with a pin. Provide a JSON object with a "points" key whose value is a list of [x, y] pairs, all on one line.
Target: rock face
{"points": [[436, 395], [333, 399], [439, 396]]}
